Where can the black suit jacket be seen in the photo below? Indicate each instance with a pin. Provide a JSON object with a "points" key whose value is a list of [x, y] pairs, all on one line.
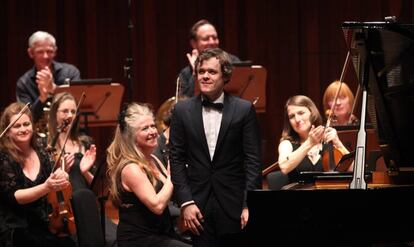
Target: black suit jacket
{"points": [[236, 165]]}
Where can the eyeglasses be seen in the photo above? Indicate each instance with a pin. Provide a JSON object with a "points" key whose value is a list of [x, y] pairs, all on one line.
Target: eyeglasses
{"points": [[66, 111]]}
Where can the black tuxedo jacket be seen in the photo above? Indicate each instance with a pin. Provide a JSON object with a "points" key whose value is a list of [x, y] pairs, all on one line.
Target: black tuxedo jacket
{"points": [[236, 165]]}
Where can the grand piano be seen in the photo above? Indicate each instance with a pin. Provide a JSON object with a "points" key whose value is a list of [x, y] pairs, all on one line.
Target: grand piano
{"points": [[365, 207]]}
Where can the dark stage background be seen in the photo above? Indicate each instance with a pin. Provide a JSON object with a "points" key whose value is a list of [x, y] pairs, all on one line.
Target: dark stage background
{"points": [[299, 42]]}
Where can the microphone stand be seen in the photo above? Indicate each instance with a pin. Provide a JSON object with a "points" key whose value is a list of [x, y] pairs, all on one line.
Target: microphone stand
{"points": [[129, 60]]}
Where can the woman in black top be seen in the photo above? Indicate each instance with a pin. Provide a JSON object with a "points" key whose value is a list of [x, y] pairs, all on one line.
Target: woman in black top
{"points": [[301, 145], [141, 186], [25, 180], [80, 153]]}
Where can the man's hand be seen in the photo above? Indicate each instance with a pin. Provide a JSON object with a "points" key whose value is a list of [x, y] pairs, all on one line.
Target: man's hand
{"points": [[192, 57], [45, 83], [192, 218], [244, 217]]}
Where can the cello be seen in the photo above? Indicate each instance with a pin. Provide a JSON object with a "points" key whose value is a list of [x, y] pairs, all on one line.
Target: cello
{"points": [[61, 218]]}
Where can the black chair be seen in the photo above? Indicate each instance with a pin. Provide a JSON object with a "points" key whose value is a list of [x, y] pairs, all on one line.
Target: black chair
{"points": [[373, 157], [88, 222], [276, 180]]}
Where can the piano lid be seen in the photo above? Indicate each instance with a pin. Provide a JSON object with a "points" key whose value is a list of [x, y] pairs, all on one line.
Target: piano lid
{"points": [[386, 50]]}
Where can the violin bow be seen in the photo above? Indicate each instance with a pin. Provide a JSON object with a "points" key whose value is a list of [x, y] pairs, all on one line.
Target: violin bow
{"points": [[20, 114], [82, 98], [338, 90], [177, 88], [270, 168]]}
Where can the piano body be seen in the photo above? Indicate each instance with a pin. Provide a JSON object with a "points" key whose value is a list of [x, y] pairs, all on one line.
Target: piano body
{"points": [[376, 207]]}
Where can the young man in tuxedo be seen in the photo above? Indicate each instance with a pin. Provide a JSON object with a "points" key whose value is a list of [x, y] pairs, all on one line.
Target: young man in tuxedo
{"points": [[215, 156]]}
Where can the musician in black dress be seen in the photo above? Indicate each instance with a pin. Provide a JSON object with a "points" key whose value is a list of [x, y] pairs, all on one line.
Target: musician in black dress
{"points": [[141, 186], [300, 146], [25, 180], [80, 152]]}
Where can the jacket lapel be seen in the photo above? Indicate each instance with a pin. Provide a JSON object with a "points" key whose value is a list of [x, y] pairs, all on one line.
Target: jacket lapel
{"points": [[197, 116]]}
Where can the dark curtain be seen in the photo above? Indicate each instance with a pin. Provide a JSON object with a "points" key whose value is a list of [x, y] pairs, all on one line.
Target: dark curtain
{"points": [[299, 42]]}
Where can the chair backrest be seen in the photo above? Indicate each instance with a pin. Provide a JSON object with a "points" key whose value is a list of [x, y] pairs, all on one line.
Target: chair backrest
{"points": [[276, 180], [88, 222]]}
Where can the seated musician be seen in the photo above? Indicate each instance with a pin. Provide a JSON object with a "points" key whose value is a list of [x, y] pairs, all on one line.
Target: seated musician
{"points": [[300, 148], [162, 149], [141, 186], [79, 150], [343, 109], [25, 180], [164, 114]]}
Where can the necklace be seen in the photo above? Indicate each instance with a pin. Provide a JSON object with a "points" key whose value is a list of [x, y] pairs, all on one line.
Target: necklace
{"points": [[314, 153]]}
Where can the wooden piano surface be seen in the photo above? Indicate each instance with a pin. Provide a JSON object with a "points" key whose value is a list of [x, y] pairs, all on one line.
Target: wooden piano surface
{"points": [[375, 180]]}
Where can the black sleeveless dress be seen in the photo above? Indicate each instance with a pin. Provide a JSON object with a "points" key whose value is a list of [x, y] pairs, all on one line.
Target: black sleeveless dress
{"points": [[138, 226], [305, 165]]}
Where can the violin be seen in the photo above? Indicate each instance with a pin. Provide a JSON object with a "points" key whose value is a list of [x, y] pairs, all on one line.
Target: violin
{"points": [[61, 219], [331, 158]]}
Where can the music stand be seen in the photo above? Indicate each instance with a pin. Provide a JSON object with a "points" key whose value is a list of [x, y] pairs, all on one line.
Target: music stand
{"points": [[247, 82], [90, 81], [101, 105], [99, 186], [348, 137]]}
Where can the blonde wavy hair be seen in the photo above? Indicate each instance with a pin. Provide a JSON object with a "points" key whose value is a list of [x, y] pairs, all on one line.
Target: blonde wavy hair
{"points": [[123, 149]]}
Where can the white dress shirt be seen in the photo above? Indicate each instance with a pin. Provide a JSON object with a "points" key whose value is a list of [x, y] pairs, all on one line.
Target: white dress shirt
{"points": [[212, 123]]}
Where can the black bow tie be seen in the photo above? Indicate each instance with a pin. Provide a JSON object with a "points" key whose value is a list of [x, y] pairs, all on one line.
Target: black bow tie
{"points": [[217, 106]]}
